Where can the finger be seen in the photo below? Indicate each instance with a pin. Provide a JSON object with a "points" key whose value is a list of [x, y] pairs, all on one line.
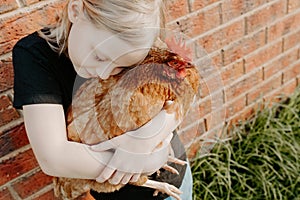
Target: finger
{"points": [[126, 178], [105, 174], [116, 178], [135, 178]]}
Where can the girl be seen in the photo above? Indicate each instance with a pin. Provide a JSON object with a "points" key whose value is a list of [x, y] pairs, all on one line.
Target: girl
{"points": [[93, 38]]}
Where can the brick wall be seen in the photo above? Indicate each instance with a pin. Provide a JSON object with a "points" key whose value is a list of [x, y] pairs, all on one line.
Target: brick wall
{"points": [[251, 50]]}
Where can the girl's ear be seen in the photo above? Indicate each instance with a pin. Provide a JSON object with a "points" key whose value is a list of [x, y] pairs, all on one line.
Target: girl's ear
{"points": [[75, 9]]}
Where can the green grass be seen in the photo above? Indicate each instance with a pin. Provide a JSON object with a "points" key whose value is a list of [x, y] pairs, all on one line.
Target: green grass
{"points": [[262, 161]]}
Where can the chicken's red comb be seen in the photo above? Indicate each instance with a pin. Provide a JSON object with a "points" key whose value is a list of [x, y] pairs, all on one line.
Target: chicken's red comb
{"points": [[179, 48]]}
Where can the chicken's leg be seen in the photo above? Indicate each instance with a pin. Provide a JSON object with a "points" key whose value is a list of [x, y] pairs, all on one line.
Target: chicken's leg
{"points": [[164, 188], [173, 160]]}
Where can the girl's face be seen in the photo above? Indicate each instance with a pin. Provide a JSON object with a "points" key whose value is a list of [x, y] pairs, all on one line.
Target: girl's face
{"points": [[97, 52]]}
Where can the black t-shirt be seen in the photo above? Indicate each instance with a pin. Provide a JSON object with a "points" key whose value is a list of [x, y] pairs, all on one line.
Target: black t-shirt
{"points": [[43, 76]]}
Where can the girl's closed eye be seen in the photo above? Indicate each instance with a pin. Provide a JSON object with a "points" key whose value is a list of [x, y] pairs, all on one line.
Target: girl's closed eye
{"points": [[100, 59]]}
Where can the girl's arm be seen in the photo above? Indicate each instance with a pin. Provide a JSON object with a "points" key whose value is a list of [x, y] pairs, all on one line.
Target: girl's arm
{"points": [[46, 130]]}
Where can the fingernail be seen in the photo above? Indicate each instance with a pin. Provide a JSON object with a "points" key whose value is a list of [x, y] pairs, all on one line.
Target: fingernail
{"points": [[113, 182], [100, 180]]}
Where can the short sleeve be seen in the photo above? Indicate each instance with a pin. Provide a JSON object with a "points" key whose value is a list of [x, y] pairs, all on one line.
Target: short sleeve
{"points": [[34, 82]]}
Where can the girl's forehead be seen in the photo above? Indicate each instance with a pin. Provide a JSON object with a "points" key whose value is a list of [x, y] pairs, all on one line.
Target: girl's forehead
{"points": [[99, 36], [112, 46]]}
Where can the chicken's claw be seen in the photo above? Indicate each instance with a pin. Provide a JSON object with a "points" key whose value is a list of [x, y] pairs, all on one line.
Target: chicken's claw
{"points": [[176, 160], [164, 188], [170, 169]]}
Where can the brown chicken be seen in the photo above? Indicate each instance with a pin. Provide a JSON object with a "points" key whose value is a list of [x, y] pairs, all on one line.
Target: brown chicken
{"points": [[103, 109]]}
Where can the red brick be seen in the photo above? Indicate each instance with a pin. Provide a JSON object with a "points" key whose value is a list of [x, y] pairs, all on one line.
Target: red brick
{"points": [[243, 47], [245, 114], [243, 85], [209, 64], [196, 5], [13, 140], [29, 2], [255, 95], [27, 186], [290, 87], [291, 40], [7, 5], [194, 149], [8, 115], [184, 25], [235, 106], [284, 27], [192, 120], [176, 9], [232, 9], [212, 84], [50, 196], [5, 195], [282, 62], [261, 56], [15, 27], [216, 116], [47, 196], [210, 74], [205, 143], [16, 166], [293, 5], [269, 85], [222, 37], [273, 97], [7, 112], [206, 20], [265, 15], [291, 73], [187, 135], [204, 90], [4, 102], [232, 72], [205, 107], [6, 75], [217, 62]]}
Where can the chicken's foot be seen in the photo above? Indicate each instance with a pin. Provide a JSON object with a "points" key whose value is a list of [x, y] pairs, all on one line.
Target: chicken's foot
{"points": [[173, 160], [164, 188]]}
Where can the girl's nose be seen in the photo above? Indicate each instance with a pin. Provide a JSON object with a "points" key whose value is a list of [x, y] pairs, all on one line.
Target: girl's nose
{"points": [[104, 72]]}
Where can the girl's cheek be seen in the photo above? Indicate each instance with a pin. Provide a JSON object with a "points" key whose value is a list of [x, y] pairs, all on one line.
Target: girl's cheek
{"points": [[116, 71]]}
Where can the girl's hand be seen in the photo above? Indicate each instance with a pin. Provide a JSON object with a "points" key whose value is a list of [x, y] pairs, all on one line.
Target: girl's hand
{"points": [[144, 150]]}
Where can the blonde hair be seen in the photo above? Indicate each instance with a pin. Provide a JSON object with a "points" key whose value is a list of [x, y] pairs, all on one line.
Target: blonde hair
{"points": [[132, 20]]}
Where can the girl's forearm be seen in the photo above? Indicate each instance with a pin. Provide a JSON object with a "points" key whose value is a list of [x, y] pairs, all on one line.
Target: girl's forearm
{"points": [[73, 160], [46, 130]]}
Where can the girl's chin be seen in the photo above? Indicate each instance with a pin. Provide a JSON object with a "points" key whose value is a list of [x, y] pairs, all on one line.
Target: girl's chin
{"points": [[85, 74]]}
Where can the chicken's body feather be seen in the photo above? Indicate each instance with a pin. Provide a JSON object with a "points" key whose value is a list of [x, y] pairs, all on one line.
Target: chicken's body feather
{"points": [[103, 109]]}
